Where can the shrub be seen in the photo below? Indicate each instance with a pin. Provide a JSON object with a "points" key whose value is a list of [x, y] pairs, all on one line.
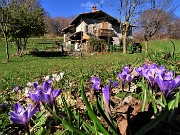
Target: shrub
{"points": [[96, 44]]}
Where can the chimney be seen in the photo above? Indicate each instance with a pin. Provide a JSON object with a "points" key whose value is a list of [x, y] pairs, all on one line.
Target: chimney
{"points": [[94, 9]]}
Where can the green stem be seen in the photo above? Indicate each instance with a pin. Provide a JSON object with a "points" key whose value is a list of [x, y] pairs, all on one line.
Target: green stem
{"points": [[105, 118], [27, 128], [91, 112]]}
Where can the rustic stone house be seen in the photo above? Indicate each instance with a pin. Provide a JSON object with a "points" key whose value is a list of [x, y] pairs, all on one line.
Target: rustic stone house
{"points": [[92, 24]]}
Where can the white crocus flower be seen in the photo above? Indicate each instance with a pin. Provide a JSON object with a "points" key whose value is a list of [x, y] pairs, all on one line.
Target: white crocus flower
{"points": [[47, 77], [29, 84], [56, 77], [26, 90], [61, 75]]}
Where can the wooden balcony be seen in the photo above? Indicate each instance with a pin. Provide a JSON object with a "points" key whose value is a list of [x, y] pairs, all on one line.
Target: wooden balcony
{"points": [[105, 32]]}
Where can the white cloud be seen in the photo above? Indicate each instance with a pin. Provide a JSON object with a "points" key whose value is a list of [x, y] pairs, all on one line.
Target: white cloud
{"points": [[88, 5], [102, 1]]}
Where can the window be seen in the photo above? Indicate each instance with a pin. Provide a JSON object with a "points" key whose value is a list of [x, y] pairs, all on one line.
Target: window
{"points": [[104, 25]]}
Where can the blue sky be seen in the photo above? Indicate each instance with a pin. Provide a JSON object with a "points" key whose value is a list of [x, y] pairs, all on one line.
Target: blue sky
{"points": [[67, 8]]}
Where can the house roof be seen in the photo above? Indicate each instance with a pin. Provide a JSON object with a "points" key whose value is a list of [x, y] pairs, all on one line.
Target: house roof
{"points": [[99, 14], [67, 28]]}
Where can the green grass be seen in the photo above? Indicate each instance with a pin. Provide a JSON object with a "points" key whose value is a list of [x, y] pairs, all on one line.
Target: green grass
{"points": [[21, 70], [28, 68], [164, 45]]}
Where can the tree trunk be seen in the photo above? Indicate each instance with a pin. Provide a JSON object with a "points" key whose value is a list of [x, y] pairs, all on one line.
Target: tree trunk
{"points": [[25, 42], [5, 34], [146, 46], [20, 47], [7, 48], [7, 45], [124, 42]]}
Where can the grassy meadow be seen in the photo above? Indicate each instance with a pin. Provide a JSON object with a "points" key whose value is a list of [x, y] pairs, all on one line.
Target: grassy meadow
{"points": [[164, 45], [28, 68], [21, 70]]}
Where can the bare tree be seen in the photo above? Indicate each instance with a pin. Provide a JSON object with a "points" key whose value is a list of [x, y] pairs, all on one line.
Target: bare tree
{"points": [[174, 29], [138, 35], [55, 25], [155, 18], [127, 11], [59, 23], [48, 23], [151, 21]]}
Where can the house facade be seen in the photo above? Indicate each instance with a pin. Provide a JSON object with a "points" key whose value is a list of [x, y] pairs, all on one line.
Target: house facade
{"points": [[92, 24]]}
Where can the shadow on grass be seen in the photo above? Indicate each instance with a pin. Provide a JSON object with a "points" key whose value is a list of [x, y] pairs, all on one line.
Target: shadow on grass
{"points": [[48, 53], [46, 43]]}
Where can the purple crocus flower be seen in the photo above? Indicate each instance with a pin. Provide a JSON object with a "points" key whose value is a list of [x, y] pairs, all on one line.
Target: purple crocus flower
{"points": [[44, 93], [46, 85], [167, 86], [21, 116], [139, 70], [126, 69], [167, 76], [113, 84], [106, 99], [122, 77], [106, 91], [35, 95], [35, 84], [125, 76], [106, 95], [129, 78], [150, 72], [152, 68], [96, 83], [49, 96]]}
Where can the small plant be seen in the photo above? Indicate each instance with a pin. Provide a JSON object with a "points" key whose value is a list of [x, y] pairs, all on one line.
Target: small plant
{"points": [[97, 45]]}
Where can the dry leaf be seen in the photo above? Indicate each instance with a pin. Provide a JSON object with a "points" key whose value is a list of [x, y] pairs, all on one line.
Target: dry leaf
{"points": [[122, 125]]}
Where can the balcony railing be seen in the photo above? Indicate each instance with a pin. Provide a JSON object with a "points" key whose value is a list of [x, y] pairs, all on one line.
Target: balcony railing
{"points": [[105, 32]]}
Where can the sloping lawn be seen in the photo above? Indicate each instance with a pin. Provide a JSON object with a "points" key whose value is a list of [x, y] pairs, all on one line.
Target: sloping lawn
{"points": [[21, 70], [164, 45]]}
